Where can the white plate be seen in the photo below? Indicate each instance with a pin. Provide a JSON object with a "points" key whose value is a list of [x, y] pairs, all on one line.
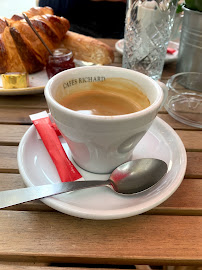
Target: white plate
{"points": [[169, 57], [161, 141], [37, 82]]}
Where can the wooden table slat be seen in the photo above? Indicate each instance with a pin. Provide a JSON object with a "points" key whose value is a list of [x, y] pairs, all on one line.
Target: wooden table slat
{"points": [[12, 134], [15, 116], [192, 140], [37, 267], [23, 101], [55, 236], [8, 162], [174, 123], [185, 200]]}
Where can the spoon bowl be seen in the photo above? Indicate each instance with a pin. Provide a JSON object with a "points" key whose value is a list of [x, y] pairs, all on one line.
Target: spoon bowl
{"points": [[137, 175], [129, 178]]}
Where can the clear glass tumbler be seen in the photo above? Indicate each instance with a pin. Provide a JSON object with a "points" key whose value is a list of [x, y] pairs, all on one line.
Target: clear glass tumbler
{"points": [[148, 27]]}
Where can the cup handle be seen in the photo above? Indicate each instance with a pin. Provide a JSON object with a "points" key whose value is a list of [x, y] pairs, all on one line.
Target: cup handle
{"points": [[165, 92]]}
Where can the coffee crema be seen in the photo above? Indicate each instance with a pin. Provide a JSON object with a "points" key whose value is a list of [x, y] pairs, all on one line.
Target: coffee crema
{"points": [[113, 96]]}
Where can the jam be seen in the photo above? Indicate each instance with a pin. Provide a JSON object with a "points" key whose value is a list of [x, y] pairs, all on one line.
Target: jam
{"points": [[59, 61]]}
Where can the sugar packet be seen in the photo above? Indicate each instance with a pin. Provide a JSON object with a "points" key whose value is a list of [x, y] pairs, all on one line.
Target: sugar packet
{"points": [[49, 132]]}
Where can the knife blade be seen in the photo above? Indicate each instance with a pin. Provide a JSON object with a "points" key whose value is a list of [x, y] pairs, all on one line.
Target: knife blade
{"points": [[17, 196]]}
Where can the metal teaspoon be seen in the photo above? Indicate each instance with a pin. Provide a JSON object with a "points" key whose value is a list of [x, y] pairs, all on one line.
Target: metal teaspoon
{"points": [[34, 30], [129, 178]]}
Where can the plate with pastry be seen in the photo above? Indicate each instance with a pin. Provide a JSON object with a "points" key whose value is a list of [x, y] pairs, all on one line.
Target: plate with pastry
{"points": [[22, 83], [171, 55], [23, 53]]}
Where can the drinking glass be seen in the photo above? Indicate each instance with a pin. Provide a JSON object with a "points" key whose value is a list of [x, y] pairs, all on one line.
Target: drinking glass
{"points": [[148, 27]]}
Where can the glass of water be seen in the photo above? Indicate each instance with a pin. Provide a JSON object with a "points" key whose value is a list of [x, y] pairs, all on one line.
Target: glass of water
{"points": [[148, 27]]}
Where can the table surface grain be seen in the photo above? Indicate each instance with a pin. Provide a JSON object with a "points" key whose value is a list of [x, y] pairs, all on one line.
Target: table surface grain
{"points": [[34, 236]]}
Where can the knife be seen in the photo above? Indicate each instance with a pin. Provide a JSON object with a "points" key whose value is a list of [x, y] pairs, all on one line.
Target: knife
{"points": [[21, 195]]}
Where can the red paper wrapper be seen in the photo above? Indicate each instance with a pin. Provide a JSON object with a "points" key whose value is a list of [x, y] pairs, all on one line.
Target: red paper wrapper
{"points": [[49, 135], [171, 50]]}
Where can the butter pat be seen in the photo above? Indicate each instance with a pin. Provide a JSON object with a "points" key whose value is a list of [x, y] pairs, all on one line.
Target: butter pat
{"points": [[15, 80]]}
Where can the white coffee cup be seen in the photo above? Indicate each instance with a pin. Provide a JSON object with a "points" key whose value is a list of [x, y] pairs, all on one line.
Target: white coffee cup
{"points": [[100, 143]]}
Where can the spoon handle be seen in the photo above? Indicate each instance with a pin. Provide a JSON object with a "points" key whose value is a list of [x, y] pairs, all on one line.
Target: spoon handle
{"points": [[17, 196], [32, 27]]}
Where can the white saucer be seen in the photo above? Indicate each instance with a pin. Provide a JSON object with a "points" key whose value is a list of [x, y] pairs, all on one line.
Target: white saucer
{"points": [[161, 141], [119, 45]]}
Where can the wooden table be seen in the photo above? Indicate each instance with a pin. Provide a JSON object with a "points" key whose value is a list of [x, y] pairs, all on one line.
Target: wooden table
{"points": [[34, 236]]}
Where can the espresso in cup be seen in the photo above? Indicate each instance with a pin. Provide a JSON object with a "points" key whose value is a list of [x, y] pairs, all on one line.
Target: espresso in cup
{"points": [[112, 96], [103, 137]]}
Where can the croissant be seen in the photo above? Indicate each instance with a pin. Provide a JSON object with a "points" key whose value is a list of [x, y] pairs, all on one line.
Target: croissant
{"points": [[20, 48], [22, 51], [32, 12]]}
